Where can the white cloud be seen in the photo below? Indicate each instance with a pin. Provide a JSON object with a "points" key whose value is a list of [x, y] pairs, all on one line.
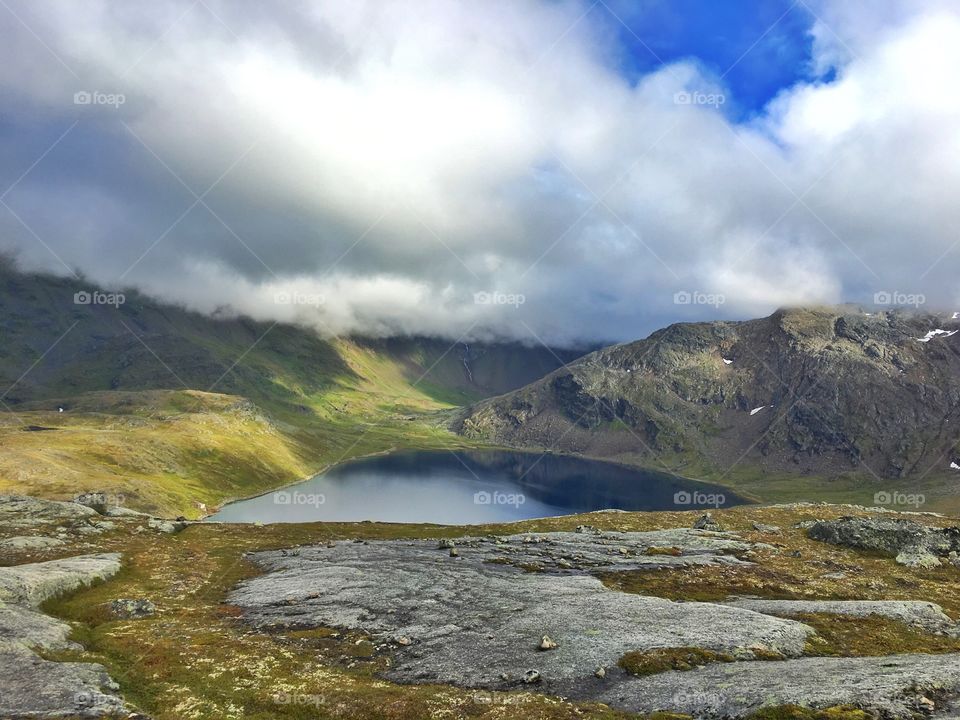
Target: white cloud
{"points": [[396, 163]]}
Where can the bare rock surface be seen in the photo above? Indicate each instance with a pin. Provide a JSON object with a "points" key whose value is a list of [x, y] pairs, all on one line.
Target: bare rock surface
{"points": [[34, 583], [36, 688], [31, 686], [477, 623], [21, 511], [924, 615], [20, 543], [891, 687]]}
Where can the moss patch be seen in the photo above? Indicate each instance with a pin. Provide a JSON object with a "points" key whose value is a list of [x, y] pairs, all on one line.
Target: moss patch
{"points": [[839, 635], [798, 712], [651, 662]]}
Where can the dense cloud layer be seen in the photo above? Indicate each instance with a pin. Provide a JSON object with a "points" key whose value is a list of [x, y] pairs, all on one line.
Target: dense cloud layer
{"points": [[472, 168]]}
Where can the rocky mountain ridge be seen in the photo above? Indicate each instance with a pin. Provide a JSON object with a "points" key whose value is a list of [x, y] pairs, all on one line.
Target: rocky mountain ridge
{"points": [[821, 391]]}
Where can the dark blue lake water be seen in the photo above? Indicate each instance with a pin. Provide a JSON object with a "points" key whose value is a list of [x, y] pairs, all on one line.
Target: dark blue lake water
{"points": [[469, 487]]}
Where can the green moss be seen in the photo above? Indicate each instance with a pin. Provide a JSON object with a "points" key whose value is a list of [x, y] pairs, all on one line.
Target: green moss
{"points": [[651, 662], [670, 551], [839, 635], [798, 712]]}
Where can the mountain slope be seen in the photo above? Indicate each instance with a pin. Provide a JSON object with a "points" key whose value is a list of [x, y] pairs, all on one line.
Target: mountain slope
{"points": [[841, 392], [171, 408]]}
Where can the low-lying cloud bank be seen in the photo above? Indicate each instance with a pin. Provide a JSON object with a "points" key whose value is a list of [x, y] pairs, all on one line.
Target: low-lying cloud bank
{"points": [[472, 169]]}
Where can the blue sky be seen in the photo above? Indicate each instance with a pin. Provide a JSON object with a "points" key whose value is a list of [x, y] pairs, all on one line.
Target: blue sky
{"points": [[757, 48]]}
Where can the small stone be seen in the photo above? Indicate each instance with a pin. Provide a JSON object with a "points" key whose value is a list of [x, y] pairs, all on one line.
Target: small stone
{"points": [[926, 705], [403, 640], [531, 676], [623, 550], [454, 552], [446, 543], [600, 672], [130, 609], [707, 522], [769, 529], [546, 643]]}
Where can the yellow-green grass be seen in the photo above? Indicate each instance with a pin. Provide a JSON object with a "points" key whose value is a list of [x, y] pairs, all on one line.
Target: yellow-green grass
{"points": [[172, 452]]}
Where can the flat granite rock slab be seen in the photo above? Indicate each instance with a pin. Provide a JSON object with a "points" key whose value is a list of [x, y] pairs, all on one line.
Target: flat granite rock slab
{"points": [[31, 686], [889, 686], [469, 622], [33, 583], [24, 511]]}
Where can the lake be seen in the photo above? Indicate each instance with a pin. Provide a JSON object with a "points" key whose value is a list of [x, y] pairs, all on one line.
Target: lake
{"points": [[471, 487]]}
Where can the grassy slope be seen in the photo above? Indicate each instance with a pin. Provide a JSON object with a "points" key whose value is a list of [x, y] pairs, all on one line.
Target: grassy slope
{"points": [[169, 451], [195, 659], [170, 408]]}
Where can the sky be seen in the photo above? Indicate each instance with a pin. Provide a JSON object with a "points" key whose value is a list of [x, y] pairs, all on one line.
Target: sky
{"points": [[557, 171]]}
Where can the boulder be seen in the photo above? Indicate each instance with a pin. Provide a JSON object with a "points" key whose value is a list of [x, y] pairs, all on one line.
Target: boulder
{"points": [[911, 543]]}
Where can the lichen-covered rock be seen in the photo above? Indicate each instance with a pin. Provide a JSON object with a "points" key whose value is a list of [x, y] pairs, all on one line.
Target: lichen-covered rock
{"points": [[34, 583], [31, 686], [885, 686], [21, 543], [132, 609], [911, 543], [20, 511], [707, 522], [474, 620]]}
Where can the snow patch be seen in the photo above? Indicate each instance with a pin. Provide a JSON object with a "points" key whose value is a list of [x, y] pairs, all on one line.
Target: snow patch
{"points": [[756, 410], [955, 316], [954, 466], [933, 333], [727, 362]]}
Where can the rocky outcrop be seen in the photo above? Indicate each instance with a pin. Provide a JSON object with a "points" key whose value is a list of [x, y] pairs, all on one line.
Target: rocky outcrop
{"points": [[810, 391], [908, 541], [889, 687], [476, 620], [20, 511], [31, 686], [32, 584]]}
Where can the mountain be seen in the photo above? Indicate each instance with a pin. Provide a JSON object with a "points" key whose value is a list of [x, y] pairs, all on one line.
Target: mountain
{"points": [[171, 408], [831, 393]]}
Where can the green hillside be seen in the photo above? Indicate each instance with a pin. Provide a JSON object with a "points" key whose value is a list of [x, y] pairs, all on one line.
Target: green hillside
{"points": [[170, 408]]}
